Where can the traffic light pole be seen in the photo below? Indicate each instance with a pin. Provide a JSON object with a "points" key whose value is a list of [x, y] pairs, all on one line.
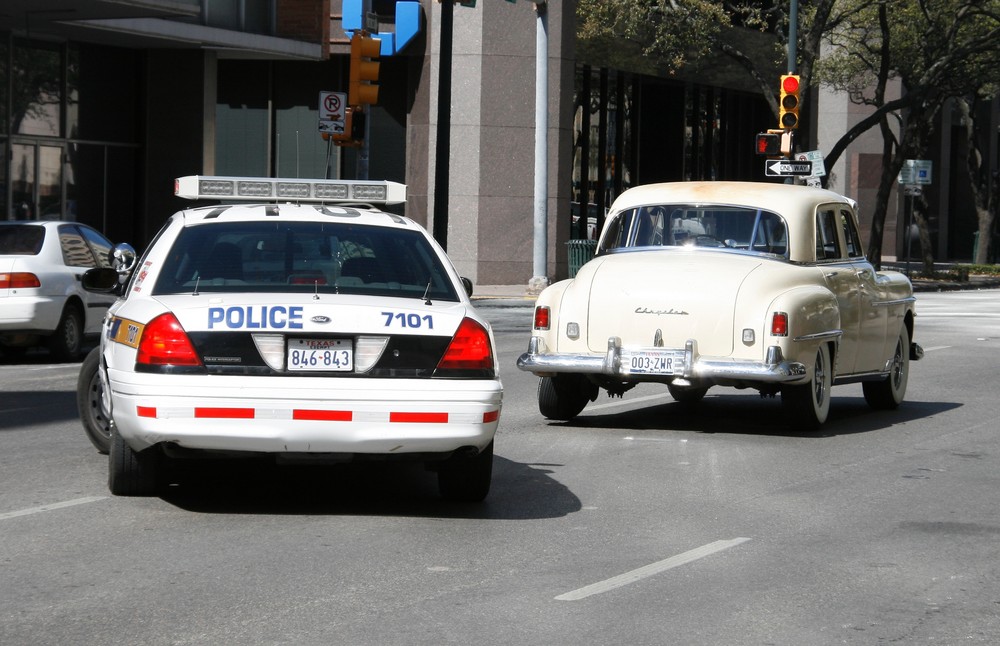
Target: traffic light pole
{"points": [[793, 34]]}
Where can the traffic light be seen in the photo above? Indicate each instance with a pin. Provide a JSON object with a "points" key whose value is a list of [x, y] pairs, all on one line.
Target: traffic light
{"points": [[788, 114], [364, 70], [768, 143], [354, 129]]}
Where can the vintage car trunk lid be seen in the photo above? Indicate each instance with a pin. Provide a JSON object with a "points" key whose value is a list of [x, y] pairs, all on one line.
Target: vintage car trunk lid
{"points": [[682, 294]]}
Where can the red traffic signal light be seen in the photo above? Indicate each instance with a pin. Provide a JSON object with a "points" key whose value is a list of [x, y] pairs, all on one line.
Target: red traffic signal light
{"points": [[768, 143], [364, 70], [788, 102]]}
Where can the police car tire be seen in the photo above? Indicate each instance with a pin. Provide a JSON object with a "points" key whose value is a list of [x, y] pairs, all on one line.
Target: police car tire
{"points": [[89, 402], [466, 479], [131, 473], [66, 341]]}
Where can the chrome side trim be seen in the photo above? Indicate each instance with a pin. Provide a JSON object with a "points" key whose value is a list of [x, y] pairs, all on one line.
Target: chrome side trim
{"points": [[898, 301], [820, 336]]}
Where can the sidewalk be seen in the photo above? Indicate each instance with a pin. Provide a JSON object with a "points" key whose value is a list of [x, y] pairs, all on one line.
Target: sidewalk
{"points": [[939, 285], [502, 296]]}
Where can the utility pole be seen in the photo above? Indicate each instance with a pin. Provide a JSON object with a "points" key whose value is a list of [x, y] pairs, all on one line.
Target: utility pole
{"points": [[540, 279]]}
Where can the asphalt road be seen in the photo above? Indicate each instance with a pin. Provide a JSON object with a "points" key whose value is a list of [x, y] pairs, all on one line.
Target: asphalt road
{"points": [[640, 522]]}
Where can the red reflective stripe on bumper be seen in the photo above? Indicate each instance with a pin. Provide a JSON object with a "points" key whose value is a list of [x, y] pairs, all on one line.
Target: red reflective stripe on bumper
{"points": [[491, 416], [424, 418], [227, 413], [324, 415], [145, 411]]}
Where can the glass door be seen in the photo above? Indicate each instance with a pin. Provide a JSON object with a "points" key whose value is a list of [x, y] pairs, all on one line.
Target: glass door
{"points": [[36, 182]]}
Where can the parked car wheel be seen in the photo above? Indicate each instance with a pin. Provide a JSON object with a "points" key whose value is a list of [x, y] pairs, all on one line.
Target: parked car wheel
{"points": [[131, 473], [66, 341], [563, 397], [809, 404], [687, 394], [466, 479], [888, 393], [90, 403]]}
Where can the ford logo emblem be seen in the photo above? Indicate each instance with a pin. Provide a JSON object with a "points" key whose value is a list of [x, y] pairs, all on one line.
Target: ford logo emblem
{"points": [[320, 319]]}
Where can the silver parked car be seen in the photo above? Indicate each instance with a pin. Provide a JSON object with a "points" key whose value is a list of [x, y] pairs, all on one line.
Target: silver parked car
{"points": [[41, 300]]}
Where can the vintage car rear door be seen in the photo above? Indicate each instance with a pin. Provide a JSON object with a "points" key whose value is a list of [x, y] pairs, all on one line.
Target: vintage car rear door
{"points": [[874, 314], [842, 279]]}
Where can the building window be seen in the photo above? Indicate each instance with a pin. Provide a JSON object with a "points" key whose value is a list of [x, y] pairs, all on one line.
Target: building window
{"points": [[36, 99]]}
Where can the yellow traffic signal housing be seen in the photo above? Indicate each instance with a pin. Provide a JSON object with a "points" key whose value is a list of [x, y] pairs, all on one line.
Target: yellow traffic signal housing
{"points": [[788, 102], [364, 70], [353, 134]]}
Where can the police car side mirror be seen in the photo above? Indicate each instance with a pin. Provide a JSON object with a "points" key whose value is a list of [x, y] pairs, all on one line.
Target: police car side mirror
{"points": [[100, 279], [468, 286]]}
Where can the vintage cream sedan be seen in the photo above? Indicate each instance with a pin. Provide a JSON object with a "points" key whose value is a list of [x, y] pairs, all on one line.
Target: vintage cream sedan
{"points": [[747, 285]]}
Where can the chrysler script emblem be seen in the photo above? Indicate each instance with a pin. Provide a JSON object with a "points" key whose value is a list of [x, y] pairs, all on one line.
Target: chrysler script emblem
{"points": [[646, 310]]}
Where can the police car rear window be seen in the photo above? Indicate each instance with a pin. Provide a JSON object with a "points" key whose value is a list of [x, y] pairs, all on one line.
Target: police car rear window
{"points": [[304, 257]]}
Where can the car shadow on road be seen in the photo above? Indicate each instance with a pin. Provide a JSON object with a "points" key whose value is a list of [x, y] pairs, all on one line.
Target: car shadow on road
{"points": [[518, 491], [749, 415], [23, 409]]}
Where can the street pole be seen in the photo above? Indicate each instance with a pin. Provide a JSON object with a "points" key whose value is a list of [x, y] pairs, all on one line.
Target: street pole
{"points": [[541, 225], [442, 145], [793, 34]]}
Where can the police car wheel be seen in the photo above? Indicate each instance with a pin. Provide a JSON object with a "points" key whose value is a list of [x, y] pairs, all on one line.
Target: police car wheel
{"points": [[131, 473], [466, 479], [90, 403]]}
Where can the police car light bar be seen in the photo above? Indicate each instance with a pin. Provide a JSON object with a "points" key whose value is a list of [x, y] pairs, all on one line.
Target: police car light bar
{"points": [[264, 189]]}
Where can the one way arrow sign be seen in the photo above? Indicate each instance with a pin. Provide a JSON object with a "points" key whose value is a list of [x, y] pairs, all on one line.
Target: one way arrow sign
{"points": [[785, 168]]}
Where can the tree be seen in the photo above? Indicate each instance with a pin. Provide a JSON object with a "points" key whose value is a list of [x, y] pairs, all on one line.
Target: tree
{"points": [[981, 182], [937, 49], [667, 37]]}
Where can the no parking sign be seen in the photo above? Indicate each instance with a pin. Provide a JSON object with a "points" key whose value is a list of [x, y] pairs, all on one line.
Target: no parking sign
{"points": [[332, 108]]}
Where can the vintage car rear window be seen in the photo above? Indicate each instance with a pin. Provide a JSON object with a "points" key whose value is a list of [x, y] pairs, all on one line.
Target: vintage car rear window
{"points": [[676, 225], [304, 257]]}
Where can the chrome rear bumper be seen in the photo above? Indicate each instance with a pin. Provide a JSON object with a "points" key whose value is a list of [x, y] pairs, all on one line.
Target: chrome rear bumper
{"points": [[774, 368]]}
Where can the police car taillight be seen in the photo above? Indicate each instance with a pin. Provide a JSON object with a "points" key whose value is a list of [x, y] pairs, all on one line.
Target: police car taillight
{"points": [[165, 343], [469, 349]]}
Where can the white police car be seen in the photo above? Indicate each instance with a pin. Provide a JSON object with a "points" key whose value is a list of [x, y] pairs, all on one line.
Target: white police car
{"points": [[302, 324]]}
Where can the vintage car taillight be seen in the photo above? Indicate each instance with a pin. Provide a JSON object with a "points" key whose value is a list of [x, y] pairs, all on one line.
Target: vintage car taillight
{"points": [[469, 349], [165, 343], [542, 318], [779, 324], [19, 280]]}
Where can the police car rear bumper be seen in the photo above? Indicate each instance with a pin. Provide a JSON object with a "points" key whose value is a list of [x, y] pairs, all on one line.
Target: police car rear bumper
{"points": [[304, 415]]}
